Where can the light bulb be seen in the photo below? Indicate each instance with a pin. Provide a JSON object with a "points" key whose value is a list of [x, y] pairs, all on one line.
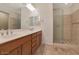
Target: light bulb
{"points": [[30, 7], [66, 3]]}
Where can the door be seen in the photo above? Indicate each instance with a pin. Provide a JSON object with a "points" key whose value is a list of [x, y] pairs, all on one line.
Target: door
{"points": [[4, 20], [26, 48], [58, 25]]}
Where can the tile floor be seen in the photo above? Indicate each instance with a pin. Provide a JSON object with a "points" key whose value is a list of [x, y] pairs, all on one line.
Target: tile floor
{"points": [[58, 49]]}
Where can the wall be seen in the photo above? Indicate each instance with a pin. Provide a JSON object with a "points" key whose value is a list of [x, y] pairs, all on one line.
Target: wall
{"points": [[75, 24], [67, 28], [71, 25], [46, 17]]}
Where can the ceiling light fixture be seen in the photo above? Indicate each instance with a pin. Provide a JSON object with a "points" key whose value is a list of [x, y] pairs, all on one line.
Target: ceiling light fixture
{"points": [[30, 7], [66, 3]]}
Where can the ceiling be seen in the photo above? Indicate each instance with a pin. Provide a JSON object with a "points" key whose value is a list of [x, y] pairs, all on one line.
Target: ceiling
{"points": [[13, 5], [61, 5]]}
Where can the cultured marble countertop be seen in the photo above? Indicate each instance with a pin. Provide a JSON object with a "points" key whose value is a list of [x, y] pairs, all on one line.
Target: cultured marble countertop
{"points": [[18, 34]]}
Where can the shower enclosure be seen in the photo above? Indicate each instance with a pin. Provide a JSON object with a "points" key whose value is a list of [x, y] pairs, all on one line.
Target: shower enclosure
{"points": [[58, 25]]}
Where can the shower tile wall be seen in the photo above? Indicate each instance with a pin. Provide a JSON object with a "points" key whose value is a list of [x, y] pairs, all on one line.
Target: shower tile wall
{"points": [[71, 28], [75, 27], [67, 28]]}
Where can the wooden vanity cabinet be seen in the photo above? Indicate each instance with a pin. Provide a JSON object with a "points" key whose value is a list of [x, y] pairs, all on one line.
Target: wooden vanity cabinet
{"points": [[13, 52], [26, 48], [36, 41], [39, 38], [26, 45], [16, 47]]}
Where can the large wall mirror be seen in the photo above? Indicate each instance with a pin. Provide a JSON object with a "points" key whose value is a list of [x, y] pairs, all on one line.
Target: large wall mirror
{"points": [[17, 16], [10, 16]]}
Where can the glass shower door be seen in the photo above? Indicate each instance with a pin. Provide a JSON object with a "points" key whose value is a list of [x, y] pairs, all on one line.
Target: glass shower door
{"points": [[58, 25]]}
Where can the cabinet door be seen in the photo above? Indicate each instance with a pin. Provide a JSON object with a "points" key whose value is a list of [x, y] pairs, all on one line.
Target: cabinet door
{"points": [[36, 41], [34, 49], [0, 52], [39, 38], [16, 51], [34, 44], [13, 52], [26, 48]]}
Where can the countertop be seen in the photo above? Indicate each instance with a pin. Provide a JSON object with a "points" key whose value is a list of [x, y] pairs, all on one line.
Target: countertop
{"points": [[18, 34]]}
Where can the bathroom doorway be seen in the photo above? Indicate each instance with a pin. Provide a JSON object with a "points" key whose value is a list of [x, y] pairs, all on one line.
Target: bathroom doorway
{"points": [[58, 25], [4, 20]]}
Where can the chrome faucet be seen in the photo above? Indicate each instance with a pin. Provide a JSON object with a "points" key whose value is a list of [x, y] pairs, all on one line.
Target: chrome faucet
{"points": [[2, 32]]}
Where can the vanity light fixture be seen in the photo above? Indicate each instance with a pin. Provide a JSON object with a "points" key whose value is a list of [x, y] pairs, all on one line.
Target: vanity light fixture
{"points": [[30, 7], [66, 3]]}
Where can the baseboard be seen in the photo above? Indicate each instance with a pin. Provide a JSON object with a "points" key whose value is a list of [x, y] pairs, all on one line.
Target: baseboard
{"points": [[47, 43]]}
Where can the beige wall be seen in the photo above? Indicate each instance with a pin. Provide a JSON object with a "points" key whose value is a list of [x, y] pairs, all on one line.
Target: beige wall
{"points": [[67, 28], [67, 23], [75, 27], [71, 25]]}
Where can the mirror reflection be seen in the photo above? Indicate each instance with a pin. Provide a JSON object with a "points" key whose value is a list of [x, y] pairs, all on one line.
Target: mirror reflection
{"points": [[15, 17], [4, 20], [10, 16]]}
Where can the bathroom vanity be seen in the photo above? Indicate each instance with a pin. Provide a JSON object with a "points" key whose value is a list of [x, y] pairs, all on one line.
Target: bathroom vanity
{"points": [[20, 32], [21, 44]]}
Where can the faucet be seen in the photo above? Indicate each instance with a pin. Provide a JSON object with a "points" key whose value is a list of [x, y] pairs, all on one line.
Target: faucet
{"points": [[2, 32], [9, 32]]}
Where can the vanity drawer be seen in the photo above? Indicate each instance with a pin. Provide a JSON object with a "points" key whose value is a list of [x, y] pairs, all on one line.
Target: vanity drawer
{"points": [[26, 48], [34, 39], [34, 49], [34, 44], [40, 32], [34, 35]]}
